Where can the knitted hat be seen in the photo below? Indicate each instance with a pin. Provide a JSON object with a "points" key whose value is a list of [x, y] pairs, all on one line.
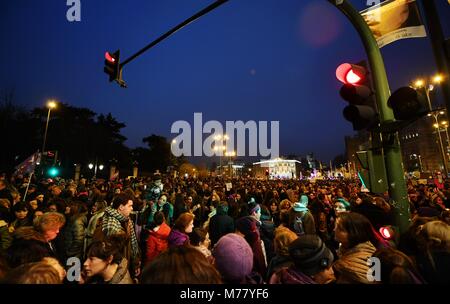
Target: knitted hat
{"points": [[310, 255], [233, 257]]}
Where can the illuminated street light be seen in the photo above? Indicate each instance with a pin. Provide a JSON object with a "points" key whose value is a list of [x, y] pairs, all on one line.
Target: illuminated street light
{"points": [[91, 166], [437, 79], [51, 104], [100, 167]]}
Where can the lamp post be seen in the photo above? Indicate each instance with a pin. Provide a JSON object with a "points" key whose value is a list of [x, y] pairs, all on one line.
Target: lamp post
{"points": [[428, 86], [95, 167], [50, 105], [221, 148], [230, 165]]}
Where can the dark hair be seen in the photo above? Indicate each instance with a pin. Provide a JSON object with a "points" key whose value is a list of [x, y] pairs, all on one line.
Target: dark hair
{"points": [[397, 267], [183, 221], [120, 199], [112, 246], [198, 236], [359, 230], [20, 206], [158, 218], [180, 265]]}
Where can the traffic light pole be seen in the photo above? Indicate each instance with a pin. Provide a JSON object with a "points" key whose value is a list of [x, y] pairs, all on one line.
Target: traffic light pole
{"points": [[390, 142], [174, 29]]}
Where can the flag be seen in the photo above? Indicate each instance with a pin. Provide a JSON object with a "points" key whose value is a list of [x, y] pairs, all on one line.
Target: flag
{"points": [[28, 165], [393, 20]]}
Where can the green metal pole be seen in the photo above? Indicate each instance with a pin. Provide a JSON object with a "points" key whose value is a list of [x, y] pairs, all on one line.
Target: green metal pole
{"points": [[391, 145]]}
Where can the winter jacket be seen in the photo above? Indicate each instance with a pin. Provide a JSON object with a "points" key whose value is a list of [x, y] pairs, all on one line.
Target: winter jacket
{"points": [[90, 229], [351, 267], [177, 238], [290, 275], [157, 242], [74, 236]]}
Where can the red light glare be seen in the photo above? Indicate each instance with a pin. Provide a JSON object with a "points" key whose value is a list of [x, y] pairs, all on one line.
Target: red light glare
{"points": [[385, 232], [352, 77], [109, 57]]}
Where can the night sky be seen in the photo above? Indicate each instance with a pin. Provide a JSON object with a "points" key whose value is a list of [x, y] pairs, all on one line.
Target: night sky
{"points": [[247, 60]]}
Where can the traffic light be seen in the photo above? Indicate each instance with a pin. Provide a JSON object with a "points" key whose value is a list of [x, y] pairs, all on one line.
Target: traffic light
{"points": [[357, 90], [408, 104], [112, 64], [113, 68], [49, 157]]}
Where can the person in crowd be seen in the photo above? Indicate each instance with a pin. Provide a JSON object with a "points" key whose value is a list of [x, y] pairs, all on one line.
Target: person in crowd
{"points": [[97, 212], [358, 242], [221, 223], [200, 240], [116, 220], [34, 273], [283, 237], [180, 265], [312, 263], [5, 235], [246, 227], [433, 258], [105, 263], [397, 267], [21, 217], [32, 244], [74, 232], [301, 221], [182, 227], [233, 258], [157, 241]]}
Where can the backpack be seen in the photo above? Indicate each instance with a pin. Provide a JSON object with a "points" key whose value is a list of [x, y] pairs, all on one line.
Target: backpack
{"points": [[298, 226]]}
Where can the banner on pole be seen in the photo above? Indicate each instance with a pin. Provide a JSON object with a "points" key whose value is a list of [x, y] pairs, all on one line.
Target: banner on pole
{"points": [[394, 20], [28, 165]]}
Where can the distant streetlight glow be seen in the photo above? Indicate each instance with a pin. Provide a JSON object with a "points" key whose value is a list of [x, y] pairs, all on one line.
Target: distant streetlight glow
{"points": [[419, 83], [91, 166], [437, 79], [101, 167]]}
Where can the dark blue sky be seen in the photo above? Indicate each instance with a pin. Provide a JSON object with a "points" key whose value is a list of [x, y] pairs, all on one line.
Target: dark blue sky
{"points": [[247, 60]]}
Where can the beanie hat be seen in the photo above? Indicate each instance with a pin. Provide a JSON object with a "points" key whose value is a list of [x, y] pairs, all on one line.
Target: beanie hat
{"points": [[310, 255], [233, 257]]}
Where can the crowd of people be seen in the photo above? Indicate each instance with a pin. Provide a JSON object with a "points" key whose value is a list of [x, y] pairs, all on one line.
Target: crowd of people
{"points": [[164, 229]]}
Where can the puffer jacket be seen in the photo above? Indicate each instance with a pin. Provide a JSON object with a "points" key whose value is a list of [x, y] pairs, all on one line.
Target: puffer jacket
{"points": [[74, 236], [157, 242], [351, 267]]}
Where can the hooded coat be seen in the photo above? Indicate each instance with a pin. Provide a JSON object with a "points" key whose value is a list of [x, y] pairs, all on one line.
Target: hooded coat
{"points": [[157, 242]]}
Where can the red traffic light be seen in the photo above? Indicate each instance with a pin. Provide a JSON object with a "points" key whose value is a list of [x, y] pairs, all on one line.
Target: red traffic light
{"points": [[350, 74], [109, 57]]}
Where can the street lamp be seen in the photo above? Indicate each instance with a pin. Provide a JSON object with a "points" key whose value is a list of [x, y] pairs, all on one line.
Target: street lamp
{"points": [[230, 155], [427, 86], [51, 104]]}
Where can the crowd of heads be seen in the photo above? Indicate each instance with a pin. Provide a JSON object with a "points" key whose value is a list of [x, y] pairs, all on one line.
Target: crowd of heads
{"points": [[164, 229]]}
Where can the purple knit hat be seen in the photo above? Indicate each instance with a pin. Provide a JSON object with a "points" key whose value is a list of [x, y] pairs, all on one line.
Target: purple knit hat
{"points": [[233, 257]]}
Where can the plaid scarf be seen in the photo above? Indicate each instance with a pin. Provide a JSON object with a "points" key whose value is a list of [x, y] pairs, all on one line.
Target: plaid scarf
{"points": [[115, 223]]}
